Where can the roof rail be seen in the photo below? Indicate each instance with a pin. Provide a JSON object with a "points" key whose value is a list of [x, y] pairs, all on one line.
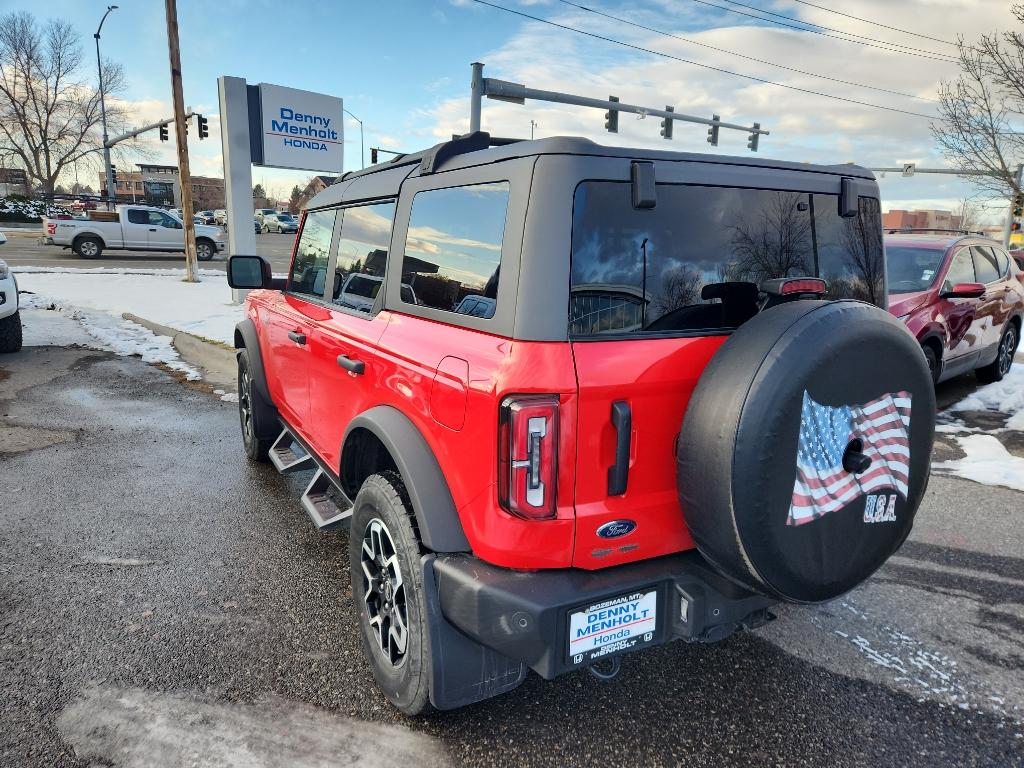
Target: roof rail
{"points": [[912, 230]]}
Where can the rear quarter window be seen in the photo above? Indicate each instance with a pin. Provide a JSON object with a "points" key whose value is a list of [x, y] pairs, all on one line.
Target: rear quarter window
{"points": [[453, 248], [695, 260]]}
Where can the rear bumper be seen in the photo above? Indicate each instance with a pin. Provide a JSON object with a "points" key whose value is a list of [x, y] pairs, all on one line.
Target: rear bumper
{"points": [[525, 616]]}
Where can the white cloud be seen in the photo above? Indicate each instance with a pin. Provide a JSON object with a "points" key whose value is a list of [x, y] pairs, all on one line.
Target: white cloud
{"points": [[804, 127]]}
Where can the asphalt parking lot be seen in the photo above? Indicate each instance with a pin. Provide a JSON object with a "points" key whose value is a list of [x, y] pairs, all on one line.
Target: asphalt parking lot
{"points": [[22, 249], [163, 602]]}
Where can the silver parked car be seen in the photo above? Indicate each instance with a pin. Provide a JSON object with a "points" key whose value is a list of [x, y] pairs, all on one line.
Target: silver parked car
{"points": [[280, 222]]}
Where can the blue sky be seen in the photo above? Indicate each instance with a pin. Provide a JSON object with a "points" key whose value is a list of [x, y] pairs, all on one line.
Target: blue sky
{"points": [[403, 67]]}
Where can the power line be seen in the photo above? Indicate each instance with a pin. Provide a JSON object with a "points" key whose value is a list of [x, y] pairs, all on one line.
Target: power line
{"points": [[940, 57], [875, 23], [741, 55], [830, 29], [697, 63]]}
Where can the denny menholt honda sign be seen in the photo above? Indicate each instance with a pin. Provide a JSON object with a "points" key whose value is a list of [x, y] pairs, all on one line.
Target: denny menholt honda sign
{"points": [[301, 129]]}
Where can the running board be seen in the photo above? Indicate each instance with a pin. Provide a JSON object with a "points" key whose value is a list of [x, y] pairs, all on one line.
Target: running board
{"points": [[322, 509], [288, 456]]}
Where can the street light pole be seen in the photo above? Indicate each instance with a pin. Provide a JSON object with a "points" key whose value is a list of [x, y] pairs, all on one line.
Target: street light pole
{"points": [[362, 148], [111, 199]]}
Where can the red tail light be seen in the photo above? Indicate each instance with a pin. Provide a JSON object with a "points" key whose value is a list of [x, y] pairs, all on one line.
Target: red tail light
{"points": [[528, 455], [803, 285]]}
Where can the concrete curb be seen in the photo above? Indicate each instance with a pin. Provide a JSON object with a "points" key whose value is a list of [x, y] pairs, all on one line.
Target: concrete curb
{"points": [[216, 362]]}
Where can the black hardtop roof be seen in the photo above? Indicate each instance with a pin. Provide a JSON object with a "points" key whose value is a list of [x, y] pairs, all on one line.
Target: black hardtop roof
{"points": [[480, 148]]}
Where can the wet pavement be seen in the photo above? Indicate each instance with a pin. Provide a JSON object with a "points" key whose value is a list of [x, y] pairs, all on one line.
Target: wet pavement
{"points": [[163, 602]]}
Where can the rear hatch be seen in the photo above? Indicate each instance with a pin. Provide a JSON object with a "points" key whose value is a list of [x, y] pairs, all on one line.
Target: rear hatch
{"points": [[654, 293]]}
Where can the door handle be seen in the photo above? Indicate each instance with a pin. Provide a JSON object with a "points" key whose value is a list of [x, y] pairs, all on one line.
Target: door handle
{"points": [[298, 338], [618, 473], [355, 367], [152, 229]]}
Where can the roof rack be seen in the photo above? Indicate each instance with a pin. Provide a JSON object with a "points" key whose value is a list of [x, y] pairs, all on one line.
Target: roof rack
{"points": [[433, 158], [912, 230]]}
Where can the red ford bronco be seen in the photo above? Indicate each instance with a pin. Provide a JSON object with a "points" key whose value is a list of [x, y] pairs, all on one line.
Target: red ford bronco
{"points": [[584, 400]]}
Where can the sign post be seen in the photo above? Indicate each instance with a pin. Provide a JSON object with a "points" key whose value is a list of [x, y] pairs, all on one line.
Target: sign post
{"points": [[234, 137]]}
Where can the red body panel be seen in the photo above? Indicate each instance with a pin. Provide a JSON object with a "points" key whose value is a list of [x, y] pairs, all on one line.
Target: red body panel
{"points": [[656, 378]]}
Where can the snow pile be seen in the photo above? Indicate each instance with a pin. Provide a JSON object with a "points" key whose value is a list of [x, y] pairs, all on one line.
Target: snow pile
{"points": [[105, 332], [1006, 396], [203, 309], [987, 461]]}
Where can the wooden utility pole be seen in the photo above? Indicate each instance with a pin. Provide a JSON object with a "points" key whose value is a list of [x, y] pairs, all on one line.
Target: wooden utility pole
{"points": [[181, 136]]}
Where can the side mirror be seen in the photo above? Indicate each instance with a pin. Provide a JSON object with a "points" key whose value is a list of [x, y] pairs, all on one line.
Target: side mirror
{"points": [[249, 272], [964, 291]]}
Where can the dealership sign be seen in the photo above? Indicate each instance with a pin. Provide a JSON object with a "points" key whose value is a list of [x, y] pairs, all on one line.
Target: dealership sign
{"points": [[297, 129]]}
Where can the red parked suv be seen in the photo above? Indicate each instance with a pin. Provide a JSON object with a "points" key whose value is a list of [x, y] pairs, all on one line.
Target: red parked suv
{"points": [[961, 296], [598, 399]]}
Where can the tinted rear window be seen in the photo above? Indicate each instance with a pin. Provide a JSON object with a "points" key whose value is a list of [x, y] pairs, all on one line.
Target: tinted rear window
{"points": [[695, 260]]}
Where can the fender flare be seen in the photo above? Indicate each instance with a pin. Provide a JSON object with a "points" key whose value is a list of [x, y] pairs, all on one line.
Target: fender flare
{"points": [[245, 336], [438, 521]]}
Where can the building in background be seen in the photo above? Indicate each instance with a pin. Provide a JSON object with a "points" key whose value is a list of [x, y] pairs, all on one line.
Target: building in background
{"points": [[900, 219], [160, 185], [13, 181], [316, 184]]}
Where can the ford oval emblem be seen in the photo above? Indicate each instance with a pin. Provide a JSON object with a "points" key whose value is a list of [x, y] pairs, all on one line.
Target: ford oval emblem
{"points": [[616, 528]]}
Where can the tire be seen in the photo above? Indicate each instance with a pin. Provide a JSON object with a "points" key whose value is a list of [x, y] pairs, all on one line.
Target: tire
{"points": [[387, 592], [10, 333], [205, 250], [265, 230], [932, 359], [779, 410], [998, 368], [257, 419], [88, 247]]}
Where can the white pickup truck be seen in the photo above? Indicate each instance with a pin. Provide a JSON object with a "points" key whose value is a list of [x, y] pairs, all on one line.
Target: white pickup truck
{"points": [[132, 227]]}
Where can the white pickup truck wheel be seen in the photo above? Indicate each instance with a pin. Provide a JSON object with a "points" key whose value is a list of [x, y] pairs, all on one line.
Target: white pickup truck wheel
{"points": [[88, 247], [10, 333]]}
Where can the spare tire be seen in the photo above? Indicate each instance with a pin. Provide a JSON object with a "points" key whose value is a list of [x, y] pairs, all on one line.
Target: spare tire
{"points": [[806, 448]]}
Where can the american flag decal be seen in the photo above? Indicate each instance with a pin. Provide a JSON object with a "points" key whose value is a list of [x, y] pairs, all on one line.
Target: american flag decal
{"points": [[822, 485]]}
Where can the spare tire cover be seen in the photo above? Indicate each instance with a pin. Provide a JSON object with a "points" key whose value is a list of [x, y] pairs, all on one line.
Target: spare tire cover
{"points": [[760, 471]]}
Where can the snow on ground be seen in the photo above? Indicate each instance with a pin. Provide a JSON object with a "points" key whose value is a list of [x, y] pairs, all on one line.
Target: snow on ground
{"points": [[986, 461], [204, 309], [46, 323], [1006, 396]]}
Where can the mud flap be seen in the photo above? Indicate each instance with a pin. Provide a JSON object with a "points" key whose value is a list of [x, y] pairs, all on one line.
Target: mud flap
{"points": [[462, 671]]}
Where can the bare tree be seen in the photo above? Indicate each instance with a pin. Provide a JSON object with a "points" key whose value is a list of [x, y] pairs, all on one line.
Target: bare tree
{"points": [[969, 213], [975, 130], [774, 243], [49, 114]]}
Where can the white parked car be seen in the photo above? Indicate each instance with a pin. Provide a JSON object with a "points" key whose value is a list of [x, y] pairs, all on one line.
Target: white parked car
{"points": [[360, 291], [10, 317], [135, 227]]}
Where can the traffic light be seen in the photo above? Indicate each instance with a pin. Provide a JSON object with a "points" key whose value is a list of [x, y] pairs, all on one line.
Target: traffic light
{"points": [[611, 118], [1018, 204], [373, 155], [204, 126], [754, 135], [666, 124], [113, 173], [1015, 226], [163, 133], [713, 132]]}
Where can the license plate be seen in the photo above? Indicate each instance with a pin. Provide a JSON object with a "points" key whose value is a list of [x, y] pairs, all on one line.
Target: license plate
{"points": [[612, 625]]}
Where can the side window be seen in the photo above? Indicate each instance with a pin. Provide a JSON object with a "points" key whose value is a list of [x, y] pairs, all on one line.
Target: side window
{"points": [[453, 248], [1003, 260], [362, 255], [136, 216], [309, 270], [162, 219], [961, 270], [985, 265]]}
